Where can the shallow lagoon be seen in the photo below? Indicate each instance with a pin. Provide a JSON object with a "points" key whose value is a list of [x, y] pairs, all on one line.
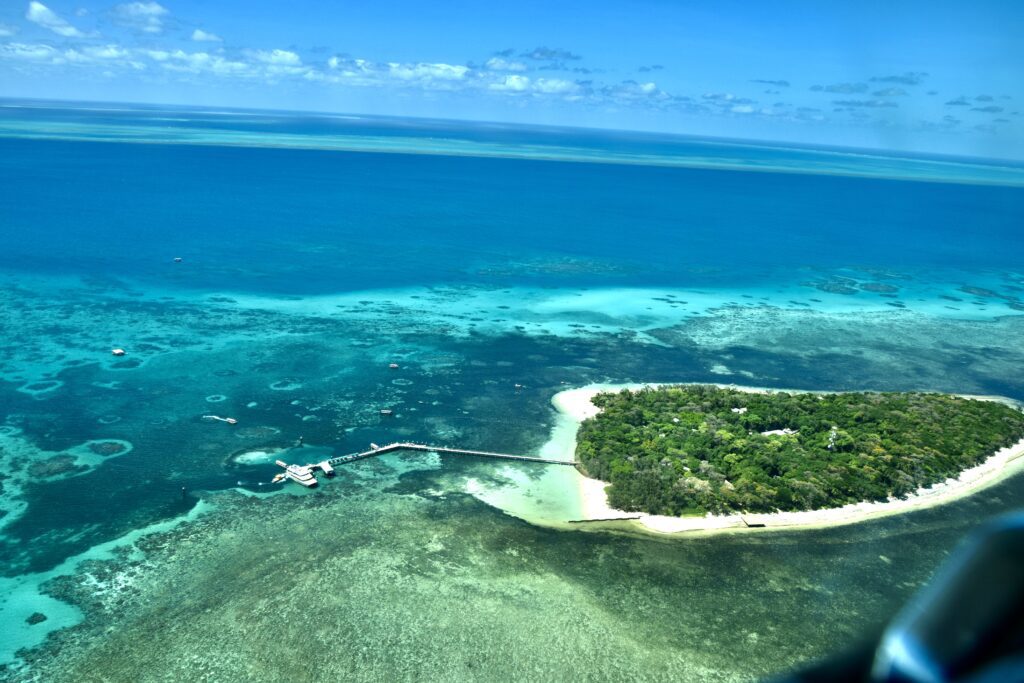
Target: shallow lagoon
{"points": [[394, 569]]}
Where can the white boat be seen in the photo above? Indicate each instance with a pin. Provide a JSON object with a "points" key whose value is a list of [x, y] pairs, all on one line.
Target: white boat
{"points": [[300, 474]]}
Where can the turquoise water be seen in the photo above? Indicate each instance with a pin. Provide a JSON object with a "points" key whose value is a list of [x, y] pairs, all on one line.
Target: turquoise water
{"points": [[307, 268]]}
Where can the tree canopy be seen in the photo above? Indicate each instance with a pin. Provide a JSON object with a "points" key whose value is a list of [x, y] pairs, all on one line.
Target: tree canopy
{"points": [[694, 449]]}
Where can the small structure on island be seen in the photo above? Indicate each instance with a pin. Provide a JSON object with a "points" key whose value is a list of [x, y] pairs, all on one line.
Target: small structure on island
{"points": [[117, 352]]}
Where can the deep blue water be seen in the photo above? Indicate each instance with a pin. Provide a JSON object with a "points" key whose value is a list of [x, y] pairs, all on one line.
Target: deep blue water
{"points": [[301, 221]]}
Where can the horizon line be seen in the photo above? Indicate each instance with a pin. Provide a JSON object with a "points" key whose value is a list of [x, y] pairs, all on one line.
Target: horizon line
{"points": [[885, 152]]}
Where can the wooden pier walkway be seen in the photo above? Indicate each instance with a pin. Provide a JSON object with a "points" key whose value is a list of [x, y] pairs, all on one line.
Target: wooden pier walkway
{"points": [[407, 446]]}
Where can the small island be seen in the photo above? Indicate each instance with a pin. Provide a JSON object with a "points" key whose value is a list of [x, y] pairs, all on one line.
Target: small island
{"points": [[691, 450]]}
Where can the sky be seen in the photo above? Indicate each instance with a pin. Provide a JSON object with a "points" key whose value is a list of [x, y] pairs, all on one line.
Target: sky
{"points": [[933, 77]]}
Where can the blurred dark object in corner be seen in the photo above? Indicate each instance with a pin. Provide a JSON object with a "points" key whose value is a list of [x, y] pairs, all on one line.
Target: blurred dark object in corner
{"points": [[966, 626]]}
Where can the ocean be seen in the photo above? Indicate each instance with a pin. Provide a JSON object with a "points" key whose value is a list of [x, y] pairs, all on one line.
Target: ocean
{"points": [[270, 267]]}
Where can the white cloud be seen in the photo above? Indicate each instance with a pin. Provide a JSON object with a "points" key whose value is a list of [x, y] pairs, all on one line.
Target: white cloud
{"points": [[632, 93], [27, 51], [201, 36], [278, 57], [105, 56], [428, 72], [742, 109], [38, 13], [147, 17], [75, 57], [512, 84], [6, 31], [554, 86], [352, 67], [193, 60], [270, 65], [358, 72], [347, 64], [202, 62], [106, 52], [501, 64], [423, 74]]}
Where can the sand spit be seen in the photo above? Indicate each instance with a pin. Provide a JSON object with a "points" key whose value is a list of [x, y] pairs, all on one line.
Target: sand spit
{"points": [[576, 403]]}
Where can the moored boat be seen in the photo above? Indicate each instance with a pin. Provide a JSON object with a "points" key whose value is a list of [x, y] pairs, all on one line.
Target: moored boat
{"points": [[300, 474]]}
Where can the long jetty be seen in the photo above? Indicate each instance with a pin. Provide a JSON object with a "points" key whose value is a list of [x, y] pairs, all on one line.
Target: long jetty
{"points": [[408, 446]]}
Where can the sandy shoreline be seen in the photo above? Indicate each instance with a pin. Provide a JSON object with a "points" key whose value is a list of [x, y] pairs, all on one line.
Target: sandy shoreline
{"points": [[576, 404]]}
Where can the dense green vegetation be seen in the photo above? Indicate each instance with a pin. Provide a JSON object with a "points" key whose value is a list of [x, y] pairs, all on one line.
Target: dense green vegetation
{"points": [[696, 449]]}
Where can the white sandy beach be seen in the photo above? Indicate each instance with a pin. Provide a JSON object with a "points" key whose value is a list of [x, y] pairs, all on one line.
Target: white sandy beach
{"points": [[576, 403]]}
